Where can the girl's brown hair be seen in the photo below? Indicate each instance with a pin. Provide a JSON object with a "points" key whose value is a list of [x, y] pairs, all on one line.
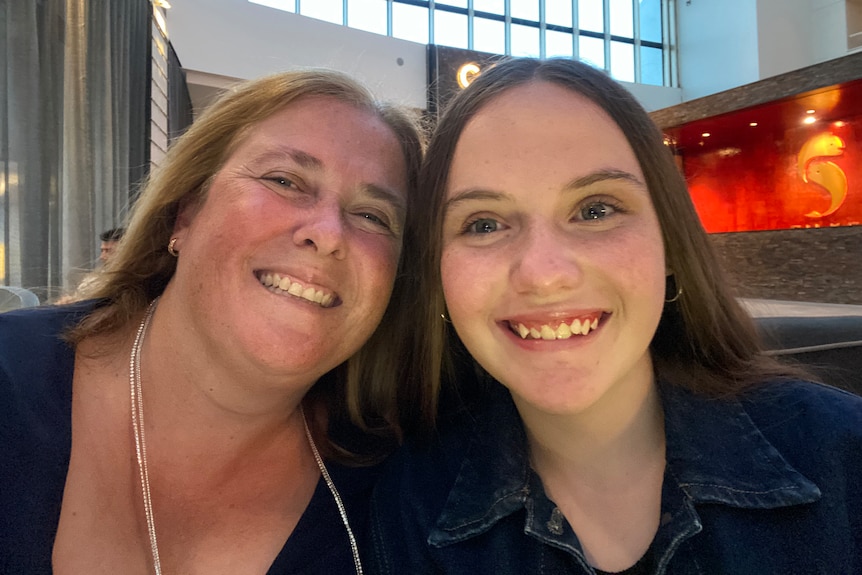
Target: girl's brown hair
{"points": [[705, 340]]}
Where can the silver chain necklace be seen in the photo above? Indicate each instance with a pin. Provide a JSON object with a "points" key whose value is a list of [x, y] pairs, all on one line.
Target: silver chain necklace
{"points": [[141, 450]]}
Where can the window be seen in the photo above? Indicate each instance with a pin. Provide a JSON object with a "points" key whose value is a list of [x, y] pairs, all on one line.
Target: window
{"points": [[525, 9], [591, 16], [490, 6], [623, 61], [410, 22], [450, 29], [489, 35], [525, 41], [368, 15], [286, 5], [652, 66], [592, 51], [559, 13], [328, 10], [625, 37], [558, 44]]}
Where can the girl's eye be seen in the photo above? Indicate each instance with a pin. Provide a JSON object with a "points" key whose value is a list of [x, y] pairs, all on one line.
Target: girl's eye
{"points": [[482, 226], [596, 211]]}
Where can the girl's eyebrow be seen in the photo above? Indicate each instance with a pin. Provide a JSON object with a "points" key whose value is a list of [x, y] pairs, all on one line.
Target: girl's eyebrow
{"points": [[473, 194], [602, 176], [580, 182]]}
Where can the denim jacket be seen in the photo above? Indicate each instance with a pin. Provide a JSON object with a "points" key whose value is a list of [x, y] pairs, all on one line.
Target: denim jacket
{"points": [[768, 483]]}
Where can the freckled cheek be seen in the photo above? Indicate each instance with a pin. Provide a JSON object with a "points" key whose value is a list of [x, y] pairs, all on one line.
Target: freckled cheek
{"points": [[642, 268], [378, 257], [466, 280]]}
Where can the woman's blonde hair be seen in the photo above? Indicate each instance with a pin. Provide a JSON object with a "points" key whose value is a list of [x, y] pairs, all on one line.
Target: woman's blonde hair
{"points": [[142, 266]]}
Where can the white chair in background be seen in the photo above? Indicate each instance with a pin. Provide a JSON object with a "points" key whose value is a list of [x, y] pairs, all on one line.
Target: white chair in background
{"points": [[12, 297]]}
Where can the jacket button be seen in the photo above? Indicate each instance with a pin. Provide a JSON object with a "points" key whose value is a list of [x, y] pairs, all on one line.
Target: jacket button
{"points": [[555, 523]]}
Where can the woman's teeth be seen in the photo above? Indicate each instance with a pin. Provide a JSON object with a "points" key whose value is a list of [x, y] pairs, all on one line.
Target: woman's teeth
{"points": [[564, 331], [283, 284]]}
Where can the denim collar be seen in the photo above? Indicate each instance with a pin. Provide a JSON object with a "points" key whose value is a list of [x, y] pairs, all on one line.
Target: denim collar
{"points": [[715, 454]]}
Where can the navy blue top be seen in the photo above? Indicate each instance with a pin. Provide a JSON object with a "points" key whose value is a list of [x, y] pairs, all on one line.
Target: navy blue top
{"points": [[769, 483], [35, 444]]}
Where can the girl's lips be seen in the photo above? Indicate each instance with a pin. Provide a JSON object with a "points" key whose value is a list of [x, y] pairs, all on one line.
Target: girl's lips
{"points": [[557, 328]]}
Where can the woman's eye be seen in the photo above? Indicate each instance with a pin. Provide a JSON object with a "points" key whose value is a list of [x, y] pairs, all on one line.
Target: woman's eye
{"points": [[483, 226], [282, 181], [377, 220], [596, 211]]}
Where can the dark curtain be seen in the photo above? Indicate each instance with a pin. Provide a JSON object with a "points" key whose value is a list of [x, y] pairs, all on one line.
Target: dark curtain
{"points": [[31, 118], [74, 132], [106, 122]]}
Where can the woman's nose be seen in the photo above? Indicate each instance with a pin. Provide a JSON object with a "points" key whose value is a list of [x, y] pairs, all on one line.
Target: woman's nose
{"points": [[545, 263], [323, 229]]}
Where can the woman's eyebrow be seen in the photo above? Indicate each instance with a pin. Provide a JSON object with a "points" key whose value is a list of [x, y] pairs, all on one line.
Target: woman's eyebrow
{"points": [[386, 195], [602, 176], [302, 159]]}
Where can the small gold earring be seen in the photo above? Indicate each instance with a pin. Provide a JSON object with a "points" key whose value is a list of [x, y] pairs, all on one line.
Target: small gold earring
{"points": [[676, 297], [171, 249]]}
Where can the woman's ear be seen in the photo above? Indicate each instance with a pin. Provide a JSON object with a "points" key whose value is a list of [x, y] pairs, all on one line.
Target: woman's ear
{"points": [[186, 213]]}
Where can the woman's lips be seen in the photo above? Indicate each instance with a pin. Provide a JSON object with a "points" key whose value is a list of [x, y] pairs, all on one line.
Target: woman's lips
{"points": [[282, 284]]}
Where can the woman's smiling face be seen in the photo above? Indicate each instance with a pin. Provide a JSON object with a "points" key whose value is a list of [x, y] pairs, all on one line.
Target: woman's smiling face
{"points": [[295, 248], [553, 263]]}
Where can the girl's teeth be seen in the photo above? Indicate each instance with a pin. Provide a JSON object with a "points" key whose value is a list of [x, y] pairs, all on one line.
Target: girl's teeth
{"points": [[576, 326], [565, 331]]}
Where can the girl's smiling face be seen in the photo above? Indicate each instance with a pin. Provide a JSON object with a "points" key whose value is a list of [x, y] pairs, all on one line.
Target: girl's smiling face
{"points": [[553, 263]]}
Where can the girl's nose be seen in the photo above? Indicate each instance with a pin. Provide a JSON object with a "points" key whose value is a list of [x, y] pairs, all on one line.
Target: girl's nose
{"points": [[545, 262]]}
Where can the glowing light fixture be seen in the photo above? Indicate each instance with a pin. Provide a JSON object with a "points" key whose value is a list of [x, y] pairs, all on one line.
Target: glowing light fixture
{"points": [[706, 135], [809, 120], [810, 111], [160, 20], [839, 124], [467, 73], [752, 124]]}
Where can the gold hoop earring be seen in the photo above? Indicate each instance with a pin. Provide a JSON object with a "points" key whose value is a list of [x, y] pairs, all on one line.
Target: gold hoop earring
{"points": [[674, 298], [171, 249]]}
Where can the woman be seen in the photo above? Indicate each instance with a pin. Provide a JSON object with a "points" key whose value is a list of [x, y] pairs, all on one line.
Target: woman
{"points": [[631, 423], [239, 314]]}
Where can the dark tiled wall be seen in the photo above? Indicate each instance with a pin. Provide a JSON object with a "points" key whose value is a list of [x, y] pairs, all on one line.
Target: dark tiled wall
{"points": [[823, 265]]}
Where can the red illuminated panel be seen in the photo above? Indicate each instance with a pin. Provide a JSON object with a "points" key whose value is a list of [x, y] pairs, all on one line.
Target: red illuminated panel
{"points": [[765, 168]]}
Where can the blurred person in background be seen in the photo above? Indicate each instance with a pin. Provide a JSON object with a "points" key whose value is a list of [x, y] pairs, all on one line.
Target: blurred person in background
{"points": [[108, 243]]}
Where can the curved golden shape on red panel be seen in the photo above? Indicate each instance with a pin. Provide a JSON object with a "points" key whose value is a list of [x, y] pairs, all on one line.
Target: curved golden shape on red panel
{"points": [[832, 178], [828, 175]]}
